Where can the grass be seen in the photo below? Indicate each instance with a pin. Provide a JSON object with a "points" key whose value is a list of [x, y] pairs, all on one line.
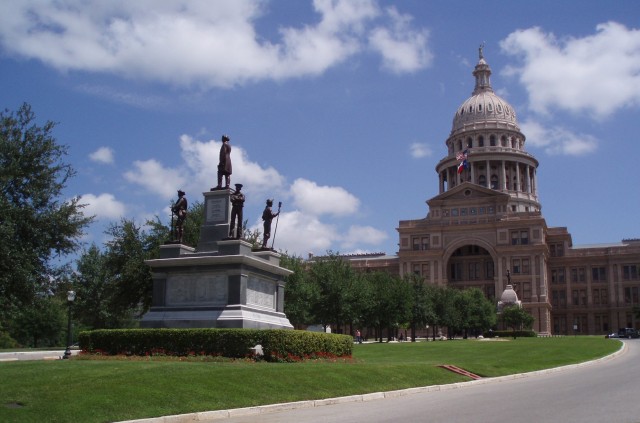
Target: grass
{"points": [[120, 389]]}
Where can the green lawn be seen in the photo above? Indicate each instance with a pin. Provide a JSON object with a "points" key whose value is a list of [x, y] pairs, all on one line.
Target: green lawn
{"points": [[111, 390]]}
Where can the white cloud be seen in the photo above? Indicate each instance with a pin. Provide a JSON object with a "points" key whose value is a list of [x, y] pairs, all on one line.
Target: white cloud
{"points": [[103, 206], [597, 74], [420, 150], [300, 233], [102, 155], [402, 48], [359, 235], [558, 140], [201, 160], [318, 200], [157, 179], [201, 43]]}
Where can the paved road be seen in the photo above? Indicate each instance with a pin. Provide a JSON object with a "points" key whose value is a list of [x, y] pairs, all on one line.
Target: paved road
{"points": [[605, 391]]}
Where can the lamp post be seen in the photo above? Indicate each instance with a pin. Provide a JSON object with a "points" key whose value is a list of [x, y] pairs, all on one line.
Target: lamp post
{"points": [[71, 296]]}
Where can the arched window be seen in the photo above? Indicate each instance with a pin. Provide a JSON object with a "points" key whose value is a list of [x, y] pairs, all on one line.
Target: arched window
{"points": [[459, 144], [482, 180], [469, 143], [480, 141], [494, 181], [492, 140], [503, 141]]}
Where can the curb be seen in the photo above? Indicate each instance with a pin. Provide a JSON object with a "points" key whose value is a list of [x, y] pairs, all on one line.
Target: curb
{"points": [[207, 416]]}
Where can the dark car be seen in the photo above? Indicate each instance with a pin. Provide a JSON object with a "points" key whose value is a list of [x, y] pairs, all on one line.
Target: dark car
{"points": [[628, 333]]}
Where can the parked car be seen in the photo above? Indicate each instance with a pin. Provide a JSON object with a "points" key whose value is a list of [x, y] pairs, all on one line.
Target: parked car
{"points": [[628, 333], [612, 335]]}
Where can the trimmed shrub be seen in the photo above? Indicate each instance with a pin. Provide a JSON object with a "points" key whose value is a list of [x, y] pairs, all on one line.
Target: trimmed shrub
{"points": [[277, 345]]}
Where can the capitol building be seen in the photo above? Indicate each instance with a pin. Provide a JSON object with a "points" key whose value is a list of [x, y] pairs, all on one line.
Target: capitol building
{"points": [[486, 222]]}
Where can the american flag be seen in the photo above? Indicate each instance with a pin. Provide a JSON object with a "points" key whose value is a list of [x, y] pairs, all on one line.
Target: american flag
{"points": [[462, 155]]}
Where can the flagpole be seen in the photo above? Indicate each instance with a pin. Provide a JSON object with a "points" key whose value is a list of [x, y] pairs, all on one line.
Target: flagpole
{"points": [[276, 229]]}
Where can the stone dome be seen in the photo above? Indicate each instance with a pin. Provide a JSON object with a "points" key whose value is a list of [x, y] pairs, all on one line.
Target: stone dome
{"points": [[509, 296], [484, 108]]}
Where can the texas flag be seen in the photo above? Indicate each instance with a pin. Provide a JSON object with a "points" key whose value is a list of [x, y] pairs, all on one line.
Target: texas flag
{"points": [[462, 158], [463, 165]]}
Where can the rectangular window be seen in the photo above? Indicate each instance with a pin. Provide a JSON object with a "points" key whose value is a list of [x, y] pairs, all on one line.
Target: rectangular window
{"points": [[425, 242], [515, 240], [526, 268], [576, 297], [557, 275], [515, 266], [456, 271], [630, 272], [454, 212], [596, 296], [425, 271], [598, 274], [524, 237], [416, 269], [556, 250], [416, 244], [489, 269]]}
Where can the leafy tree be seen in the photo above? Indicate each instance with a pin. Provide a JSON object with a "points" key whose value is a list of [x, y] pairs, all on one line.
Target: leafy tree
{"points": [[422, 309], [41, 324], [335, 281], [448, 309], [35, 224], [391, 302], [130, 278], [479, 313], [517, 318], [299, 293], [94, 305]]}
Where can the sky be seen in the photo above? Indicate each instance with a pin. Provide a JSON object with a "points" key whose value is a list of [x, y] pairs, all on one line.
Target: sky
{"points": [[338, 109]]}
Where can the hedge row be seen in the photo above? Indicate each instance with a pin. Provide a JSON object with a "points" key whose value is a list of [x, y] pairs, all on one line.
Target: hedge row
{"points": [[277, 345]]}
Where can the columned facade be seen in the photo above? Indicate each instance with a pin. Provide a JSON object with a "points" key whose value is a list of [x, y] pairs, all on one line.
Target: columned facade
{"points": [[487, 220]]}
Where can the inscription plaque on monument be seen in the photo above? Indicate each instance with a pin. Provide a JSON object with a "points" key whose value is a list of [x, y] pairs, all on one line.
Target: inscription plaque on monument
{"points": [[261, 292], [197, 290], [216, 210]]}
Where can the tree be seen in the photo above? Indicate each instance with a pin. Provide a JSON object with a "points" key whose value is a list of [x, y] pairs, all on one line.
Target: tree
{"points": [[479, 313], [94, 306], [335, 282], [517, 319], [299, 293], [391, 305], [422, 310], [35, 224], [41, 324], [130, 278]]}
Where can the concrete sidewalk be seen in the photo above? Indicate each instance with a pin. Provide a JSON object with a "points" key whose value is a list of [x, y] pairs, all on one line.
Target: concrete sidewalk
{"points": [[34, 355]]}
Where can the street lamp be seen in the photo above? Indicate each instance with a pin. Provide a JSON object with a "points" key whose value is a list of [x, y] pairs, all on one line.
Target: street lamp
{"points": [[71, 296]]}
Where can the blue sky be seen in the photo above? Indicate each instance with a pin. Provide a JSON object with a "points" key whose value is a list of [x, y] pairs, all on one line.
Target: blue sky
{"points": [[339, 109]]}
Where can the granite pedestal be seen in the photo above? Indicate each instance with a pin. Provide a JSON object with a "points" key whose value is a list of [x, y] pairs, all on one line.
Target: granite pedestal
{"points": [[220, 284]]}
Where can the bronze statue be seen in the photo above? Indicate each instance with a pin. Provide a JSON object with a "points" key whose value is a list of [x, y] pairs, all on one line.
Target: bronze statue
{"points": [[237, 203], [224, 165], [179, 209], [267, 217]]}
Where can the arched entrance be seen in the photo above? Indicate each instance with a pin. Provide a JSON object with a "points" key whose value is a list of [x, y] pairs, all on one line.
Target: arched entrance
{"points": [[472, 266]]}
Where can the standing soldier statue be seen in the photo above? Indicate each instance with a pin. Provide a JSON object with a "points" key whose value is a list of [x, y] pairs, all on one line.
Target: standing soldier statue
{"points": [[267, 217], [237, 203], [224, 165], [179, 209]]}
